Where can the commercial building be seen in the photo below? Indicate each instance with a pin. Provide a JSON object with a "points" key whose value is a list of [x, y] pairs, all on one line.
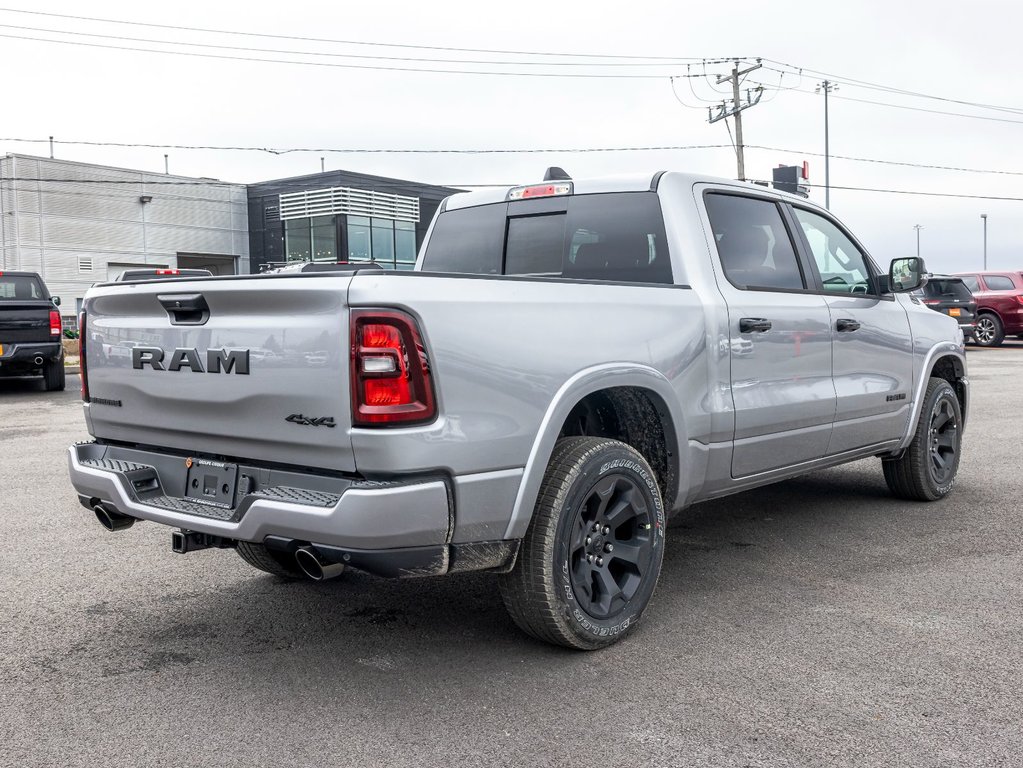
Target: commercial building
{"points": [[340, 216], [77, 223]]}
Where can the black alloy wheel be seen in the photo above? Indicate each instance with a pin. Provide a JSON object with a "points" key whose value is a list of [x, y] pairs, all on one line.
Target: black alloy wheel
{"points": [[944, 442], [590, 558], [926, 470], [612, 546]]}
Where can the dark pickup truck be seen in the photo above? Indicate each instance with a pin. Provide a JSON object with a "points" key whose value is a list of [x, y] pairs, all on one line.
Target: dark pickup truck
{"points": [[30, 330]]}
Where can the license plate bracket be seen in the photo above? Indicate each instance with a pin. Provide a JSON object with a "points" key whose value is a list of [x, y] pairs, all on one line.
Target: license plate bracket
{"points": [[211, 482]]}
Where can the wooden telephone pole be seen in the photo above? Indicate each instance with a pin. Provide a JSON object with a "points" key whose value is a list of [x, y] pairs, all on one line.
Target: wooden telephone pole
{"points": [[737, 106]]}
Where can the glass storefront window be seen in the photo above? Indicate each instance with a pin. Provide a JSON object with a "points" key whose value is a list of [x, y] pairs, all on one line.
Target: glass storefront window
{"points": [[404, 243], [383, 242], [297, 240], [358, 239], [324, 238]]}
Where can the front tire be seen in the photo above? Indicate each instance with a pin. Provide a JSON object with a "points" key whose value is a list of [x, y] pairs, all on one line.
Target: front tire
{"points": [[989, 331], [592, 554], [927, 470]]}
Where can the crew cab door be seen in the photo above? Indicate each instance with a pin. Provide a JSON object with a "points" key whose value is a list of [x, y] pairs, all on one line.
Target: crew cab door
{"points": [[873, 354], [779, 336]]}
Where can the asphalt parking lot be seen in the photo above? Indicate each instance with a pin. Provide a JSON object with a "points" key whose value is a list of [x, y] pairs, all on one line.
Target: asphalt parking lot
{"points": [[815, 622]]}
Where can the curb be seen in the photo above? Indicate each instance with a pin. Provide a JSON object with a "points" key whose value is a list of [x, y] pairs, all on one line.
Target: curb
{"points": [[72, 369]]}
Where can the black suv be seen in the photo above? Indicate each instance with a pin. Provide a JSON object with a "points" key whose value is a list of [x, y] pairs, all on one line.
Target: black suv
{"points": [[30, 329], [950, 296]]}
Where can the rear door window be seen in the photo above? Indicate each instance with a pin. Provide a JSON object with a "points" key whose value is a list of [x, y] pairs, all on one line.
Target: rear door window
{"points": [[999, 283], [616, 237], [753, 243]]}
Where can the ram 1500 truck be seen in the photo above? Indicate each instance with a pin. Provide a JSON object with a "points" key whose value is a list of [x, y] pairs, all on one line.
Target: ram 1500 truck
{"points": [[30, 330], [570, 362]]}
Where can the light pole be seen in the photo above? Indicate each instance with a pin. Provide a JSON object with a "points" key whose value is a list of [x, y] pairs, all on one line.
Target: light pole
{"points": [[827, 86], [983, 216], [917, 227]]}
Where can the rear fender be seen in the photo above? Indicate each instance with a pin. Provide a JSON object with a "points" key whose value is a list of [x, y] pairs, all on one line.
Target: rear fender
{"points": [[580, 385]]}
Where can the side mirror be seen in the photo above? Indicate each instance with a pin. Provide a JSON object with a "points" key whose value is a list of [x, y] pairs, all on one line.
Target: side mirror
{"points": [[906, 274], [56, 300]]}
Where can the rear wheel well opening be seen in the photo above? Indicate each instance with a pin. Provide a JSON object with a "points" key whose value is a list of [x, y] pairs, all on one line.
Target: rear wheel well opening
{"points": [[951, 369], [637, 417]]}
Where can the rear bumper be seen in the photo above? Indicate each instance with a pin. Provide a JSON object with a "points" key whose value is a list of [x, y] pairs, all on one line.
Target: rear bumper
{"points": [[330, 511], [20, 358]]}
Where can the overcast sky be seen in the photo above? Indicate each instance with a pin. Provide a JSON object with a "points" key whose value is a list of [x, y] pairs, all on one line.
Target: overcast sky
{"points": [[955, 51]]}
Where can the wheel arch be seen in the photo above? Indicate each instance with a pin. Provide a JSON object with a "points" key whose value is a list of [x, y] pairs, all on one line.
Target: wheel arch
{"points": [[644, 412], [945, 361]]}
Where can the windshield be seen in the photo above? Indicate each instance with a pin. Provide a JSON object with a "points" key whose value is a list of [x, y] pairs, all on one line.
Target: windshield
{"points": [[23, 287]]}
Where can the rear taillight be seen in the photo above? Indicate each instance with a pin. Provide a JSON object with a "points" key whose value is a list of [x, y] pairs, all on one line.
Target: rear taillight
{"points": [[1019, 298], [54, 323], [391, 382], [929, 302], [81, 356]]}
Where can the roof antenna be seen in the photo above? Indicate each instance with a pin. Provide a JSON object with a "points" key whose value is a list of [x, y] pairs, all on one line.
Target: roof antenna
{"points": [[556, 174]]}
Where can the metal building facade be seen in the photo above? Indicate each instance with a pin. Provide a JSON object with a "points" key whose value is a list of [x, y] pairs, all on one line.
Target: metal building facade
{"points": [[351, 213], [77, 224]]}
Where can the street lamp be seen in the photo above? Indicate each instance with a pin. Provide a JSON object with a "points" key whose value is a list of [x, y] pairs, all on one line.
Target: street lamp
{"points": [[983, 216], [917, 227]]}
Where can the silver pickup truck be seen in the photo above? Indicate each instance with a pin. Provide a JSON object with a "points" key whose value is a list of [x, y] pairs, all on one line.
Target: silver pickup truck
{"points": [[569, 363]]}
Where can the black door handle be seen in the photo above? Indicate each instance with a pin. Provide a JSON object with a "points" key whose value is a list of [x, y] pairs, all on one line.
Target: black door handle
{"points": [[754, 325], [846, 325]]}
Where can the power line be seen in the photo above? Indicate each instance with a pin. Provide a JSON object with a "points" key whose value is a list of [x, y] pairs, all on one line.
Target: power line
{"points": [[422, 70], [912, 109], [334, 54], [530, 151], [675, 59], [913, 192], [890, 89]]}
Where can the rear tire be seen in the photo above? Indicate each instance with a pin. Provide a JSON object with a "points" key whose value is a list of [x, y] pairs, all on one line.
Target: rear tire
{"points": [[53, 375], [591, 556], [927, 470], [263, 559], [989, 331]]}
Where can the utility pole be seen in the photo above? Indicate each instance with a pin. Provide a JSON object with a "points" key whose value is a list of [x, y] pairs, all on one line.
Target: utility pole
{"points": [[736, 109], [984, 217], [827, 86], [917, 227]]}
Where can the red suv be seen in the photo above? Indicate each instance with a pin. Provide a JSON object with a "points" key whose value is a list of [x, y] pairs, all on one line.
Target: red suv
{"points": [[999, 298]]}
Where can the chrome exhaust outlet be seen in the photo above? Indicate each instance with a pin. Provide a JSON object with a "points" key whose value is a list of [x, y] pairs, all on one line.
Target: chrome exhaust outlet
{"points": [[313, 567], [38, 360], [112, 521]]}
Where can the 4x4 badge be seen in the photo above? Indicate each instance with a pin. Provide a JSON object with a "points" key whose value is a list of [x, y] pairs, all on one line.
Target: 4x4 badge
{"points": [[311, 421]]}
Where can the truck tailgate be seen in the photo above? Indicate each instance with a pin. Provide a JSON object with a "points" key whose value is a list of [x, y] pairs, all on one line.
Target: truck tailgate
{"points": [[265, 376]]}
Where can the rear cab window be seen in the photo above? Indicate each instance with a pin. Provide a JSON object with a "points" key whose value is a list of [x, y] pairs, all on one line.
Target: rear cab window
{"points": [[616, 237], [24, 287]]}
